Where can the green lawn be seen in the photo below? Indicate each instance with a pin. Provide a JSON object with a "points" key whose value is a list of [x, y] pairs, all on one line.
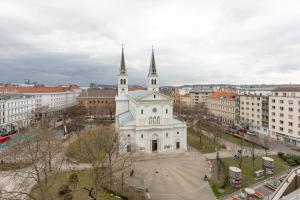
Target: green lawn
{"points": [[207, 144], [247, 173], [78, 193], [227, 136]]}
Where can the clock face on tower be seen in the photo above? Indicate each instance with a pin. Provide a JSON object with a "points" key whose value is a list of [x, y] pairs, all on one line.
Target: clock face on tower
{"points": [[154, 110]]}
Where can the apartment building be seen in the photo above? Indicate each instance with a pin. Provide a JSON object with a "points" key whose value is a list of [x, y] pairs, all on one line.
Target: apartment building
{"points": [[2, 111], [17, 110], [284, 115], [254, 112], [199, 95], [49, 100], [221, 106]]}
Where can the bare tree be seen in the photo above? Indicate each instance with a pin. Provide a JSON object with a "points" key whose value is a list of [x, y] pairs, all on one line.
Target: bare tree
{"points": [[266, 144], [253, 150], [100, 147], [241, 150], [41, 149]]}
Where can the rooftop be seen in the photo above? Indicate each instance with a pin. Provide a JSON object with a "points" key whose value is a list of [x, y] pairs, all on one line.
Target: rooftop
{"points": [[35, 89], [96, 92], [14, 96], [287, 89], [138, 94], [125, 117], [222, 95]]}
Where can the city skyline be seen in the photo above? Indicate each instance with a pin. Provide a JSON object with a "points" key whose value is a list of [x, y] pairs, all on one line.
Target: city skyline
{"points": [[76, 42]]}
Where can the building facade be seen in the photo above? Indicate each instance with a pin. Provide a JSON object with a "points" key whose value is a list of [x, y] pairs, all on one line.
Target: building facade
{"points": [[99, 103], [221, 106], [284, 115], [200, 95], [17, 111], [254, 112], [144, 118], [49, 101]]}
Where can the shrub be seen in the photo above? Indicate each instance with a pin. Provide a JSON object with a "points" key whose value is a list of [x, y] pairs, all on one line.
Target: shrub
{"points": [[280, 154], [63, 190], [298, 160], [73, 179], [291, 162]]}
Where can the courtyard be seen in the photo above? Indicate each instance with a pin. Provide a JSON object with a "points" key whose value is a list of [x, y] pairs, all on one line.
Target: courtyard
{"points": [[173, 176]]}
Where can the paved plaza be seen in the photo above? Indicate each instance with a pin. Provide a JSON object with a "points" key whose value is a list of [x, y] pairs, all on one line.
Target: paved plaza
{"points": [[175, 176]]}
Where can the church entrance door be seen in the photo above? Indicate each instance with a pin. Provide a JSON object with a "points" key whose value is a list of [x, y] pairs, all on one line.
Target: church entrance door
{"points": [[154, 145], [177, 145]]}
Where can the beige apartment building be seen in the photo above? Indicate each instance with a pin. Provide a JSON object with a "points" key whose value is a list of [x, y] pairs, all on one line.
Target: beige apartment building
{"points": [[199, 95], [222, 106], [254, 112], [284, 115]]}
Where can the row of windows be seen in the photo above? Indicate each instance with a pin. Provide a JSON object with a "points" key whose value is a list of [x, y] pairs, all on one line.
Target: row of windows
{"points": [[247, 108], [153, 81], [292, 94], [154, 120], [247, 114], [248, 120], [167, 135], [94, 101], [290, 102], [290, 131], [282, 115], [123, 81], [282, 122], [247, 103], [282, 108], [153, 110]]}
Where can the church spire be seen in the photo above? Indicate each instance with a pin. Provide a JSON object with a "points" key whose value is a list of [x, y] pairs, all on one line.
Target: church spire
{"points": [[122, 70], [153, 84], [122, 77], [152, 69]]}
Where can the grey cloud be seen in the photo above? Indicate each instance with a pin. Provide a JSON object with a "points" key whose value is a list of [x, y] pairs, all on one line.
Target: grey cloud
{"points": [[199, 42]]}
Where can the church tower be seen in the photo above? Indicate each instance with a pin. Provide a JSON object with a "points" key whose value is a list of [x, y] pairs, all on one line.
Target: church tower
{"points": [[152, 75], [122, 77]]}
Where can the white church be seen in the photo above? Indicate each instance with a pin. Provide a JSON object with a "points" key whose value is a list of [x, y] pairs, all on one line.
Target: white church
{"points": [[144, 118]]}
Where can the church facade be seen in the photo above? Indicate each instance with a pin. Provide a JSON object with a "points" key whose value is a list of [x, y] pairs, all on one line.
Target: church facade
{"points": [[144, 118]]}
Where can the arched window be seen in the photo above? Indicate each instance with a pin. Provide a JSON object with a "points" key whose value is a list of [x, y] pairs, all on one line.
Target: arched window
{"points": [[124, 81], [154, 120], [121, 81], [150, 120], [166, 111], [158, 120], [142, 136], [154, 81], [142, 112]]}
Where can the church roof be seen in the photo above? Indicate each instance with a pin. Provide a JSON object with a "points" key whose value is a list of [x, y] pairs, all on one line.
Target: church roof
{"points": [[152, 69], [138, 94], [125, 117]]}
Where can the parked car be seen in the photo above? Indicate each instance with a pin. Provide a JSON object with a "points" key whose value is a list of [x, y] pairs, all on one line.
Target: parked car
{"points": [[250, 132], [8, 133], [4, 139]]}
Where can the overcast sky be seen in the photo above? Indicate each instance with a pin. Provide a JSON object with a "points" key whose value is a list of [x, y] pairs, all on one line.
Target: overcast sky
{"points": [[195, 41]]}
